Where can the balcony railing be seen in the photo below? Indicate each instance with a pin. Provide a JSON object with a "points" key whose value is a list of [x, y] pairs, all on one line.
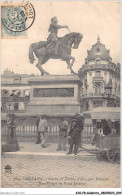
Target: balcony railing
{"points": [[97, 79], [91, 95], [99, 66], [12, 111], [15, 99], [110, 96]]}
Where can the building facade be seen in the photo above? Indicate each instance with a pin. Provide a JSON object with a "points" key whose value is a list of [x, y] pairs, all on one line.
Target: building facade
{"points": [[100, 78], [14, 84]]}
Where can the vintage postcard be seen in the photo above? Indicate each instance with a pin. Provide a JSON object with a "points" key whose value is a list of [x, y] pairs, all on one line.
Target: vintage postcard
{"points": [[60, 97]]}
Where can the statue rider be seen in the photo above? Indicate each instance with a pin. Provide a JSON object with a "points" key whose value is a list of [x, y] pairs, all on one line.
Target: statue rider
{"points": [[53, 29]]}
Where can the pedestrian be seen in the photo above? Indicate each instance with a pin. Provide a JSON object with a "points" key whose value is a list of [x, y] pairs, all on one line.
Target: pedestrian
{"points": [[38, 140], [75, 132], [63, 128], [43, 128], [117, 127], [11, 138], [106, 127], [98, 133]]}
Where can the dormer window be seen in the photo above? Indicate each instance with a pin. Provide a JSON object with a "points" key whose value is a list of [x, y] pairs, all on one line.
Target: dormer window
{"points": [[97, 61], [97, 73], [98, 50], [17, 80]]}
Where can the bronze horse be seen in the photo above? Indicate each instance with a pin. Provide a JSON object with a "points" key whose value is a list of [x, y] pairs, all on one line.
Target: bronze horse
{"points": [[44, 51]]}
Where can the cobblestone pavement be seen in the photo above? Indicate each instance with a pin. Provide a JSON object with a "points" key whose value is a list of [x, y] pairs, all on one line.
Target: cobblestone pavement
{"points": [[83, 172]]}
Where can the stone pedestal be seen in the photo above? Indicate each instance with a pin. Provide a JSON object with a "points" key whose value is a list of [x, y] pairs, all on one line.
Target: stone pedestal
{"points": [[59, 94]]}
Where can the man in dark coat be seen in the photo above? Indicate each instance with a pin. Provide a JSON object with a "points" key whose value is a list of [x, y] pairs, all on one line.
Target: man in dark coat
{"points": [[74, 133], [117, 127], [38, 140], [106, 127], [11, 138]]}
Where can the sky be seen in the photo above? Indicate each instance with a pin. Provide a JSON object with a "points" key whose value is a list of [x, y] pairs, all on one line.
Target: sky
{"points": [[90, 18]]}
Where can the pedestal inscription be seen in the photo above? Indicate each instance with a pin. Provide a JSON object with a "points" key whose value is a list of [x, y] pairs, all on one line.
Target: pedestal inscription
{"points": [[53, 92]]}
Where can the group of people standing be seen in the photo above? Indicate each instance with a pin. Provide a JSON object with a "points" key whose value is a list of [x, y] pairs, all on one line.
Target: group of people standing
{"points": [[71, 132]]}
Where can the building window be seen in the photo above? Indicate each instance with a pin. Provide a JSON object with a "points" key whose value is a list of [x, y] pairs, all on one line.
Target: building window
{"points": [[4, 93], [98, 73], [17, 80], [111, 75], [27, 92], [119, 88], [4, 106], [87, 105], [21, 106], [97, 61], [82, 90], [97, 104], [85, 82], [115, 90], [105, 73], [110, 104], [108, 91], [115, 104], [90, 73], [16, 106], [98, 88]]}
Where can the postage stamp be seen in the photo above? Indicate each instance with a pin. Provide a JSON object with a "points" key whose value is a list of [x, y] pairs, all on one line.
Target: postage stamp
{"points": [[17, 18]]}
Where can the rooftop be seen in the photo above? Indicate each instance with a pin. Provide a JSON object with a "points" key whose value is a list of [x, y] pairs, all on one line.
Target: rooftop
{"points": [[98, 50]]}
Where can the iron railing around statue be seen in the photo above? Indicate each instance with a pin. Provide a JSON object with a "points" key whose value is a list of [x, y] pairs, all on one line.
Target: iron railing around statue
{"points": [[27, 132]]}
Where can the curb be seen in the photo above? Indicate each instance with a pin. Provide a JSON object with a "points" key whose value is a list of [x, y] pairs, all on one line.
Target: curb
{"points": [[38, 155]]}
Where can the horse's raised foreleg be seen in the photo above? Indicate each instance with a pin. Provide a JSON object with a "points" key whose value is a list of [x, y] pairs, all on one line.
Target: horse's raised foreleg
{"points": [[70, 67], [73, 60], [68, 61]]}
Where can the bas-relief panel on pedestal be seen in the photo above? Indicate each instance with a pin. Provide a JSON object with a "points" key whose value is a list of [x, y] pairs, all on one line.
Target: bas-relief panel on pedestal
{"points": [[53, 92]]}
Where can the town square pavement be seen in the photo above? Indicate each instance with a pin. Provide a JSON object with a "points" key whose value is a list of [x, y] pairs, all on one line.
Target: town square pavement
{"points": [[56, 170]]}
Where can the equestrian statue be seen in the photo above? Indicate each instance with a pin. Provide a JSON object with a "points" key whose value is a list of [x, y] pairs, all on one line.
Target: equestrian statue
{"points": [[55, 47]]}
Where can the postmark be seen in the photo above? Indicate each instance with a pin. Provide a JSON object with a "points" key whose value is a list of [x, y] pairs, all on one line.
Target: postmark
{"points": [[17, 18]]}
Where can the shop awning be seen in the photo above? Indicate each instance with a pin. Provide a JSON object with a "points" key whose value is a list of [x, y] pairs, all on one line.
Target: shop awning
{"points": [[108, 113]]}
